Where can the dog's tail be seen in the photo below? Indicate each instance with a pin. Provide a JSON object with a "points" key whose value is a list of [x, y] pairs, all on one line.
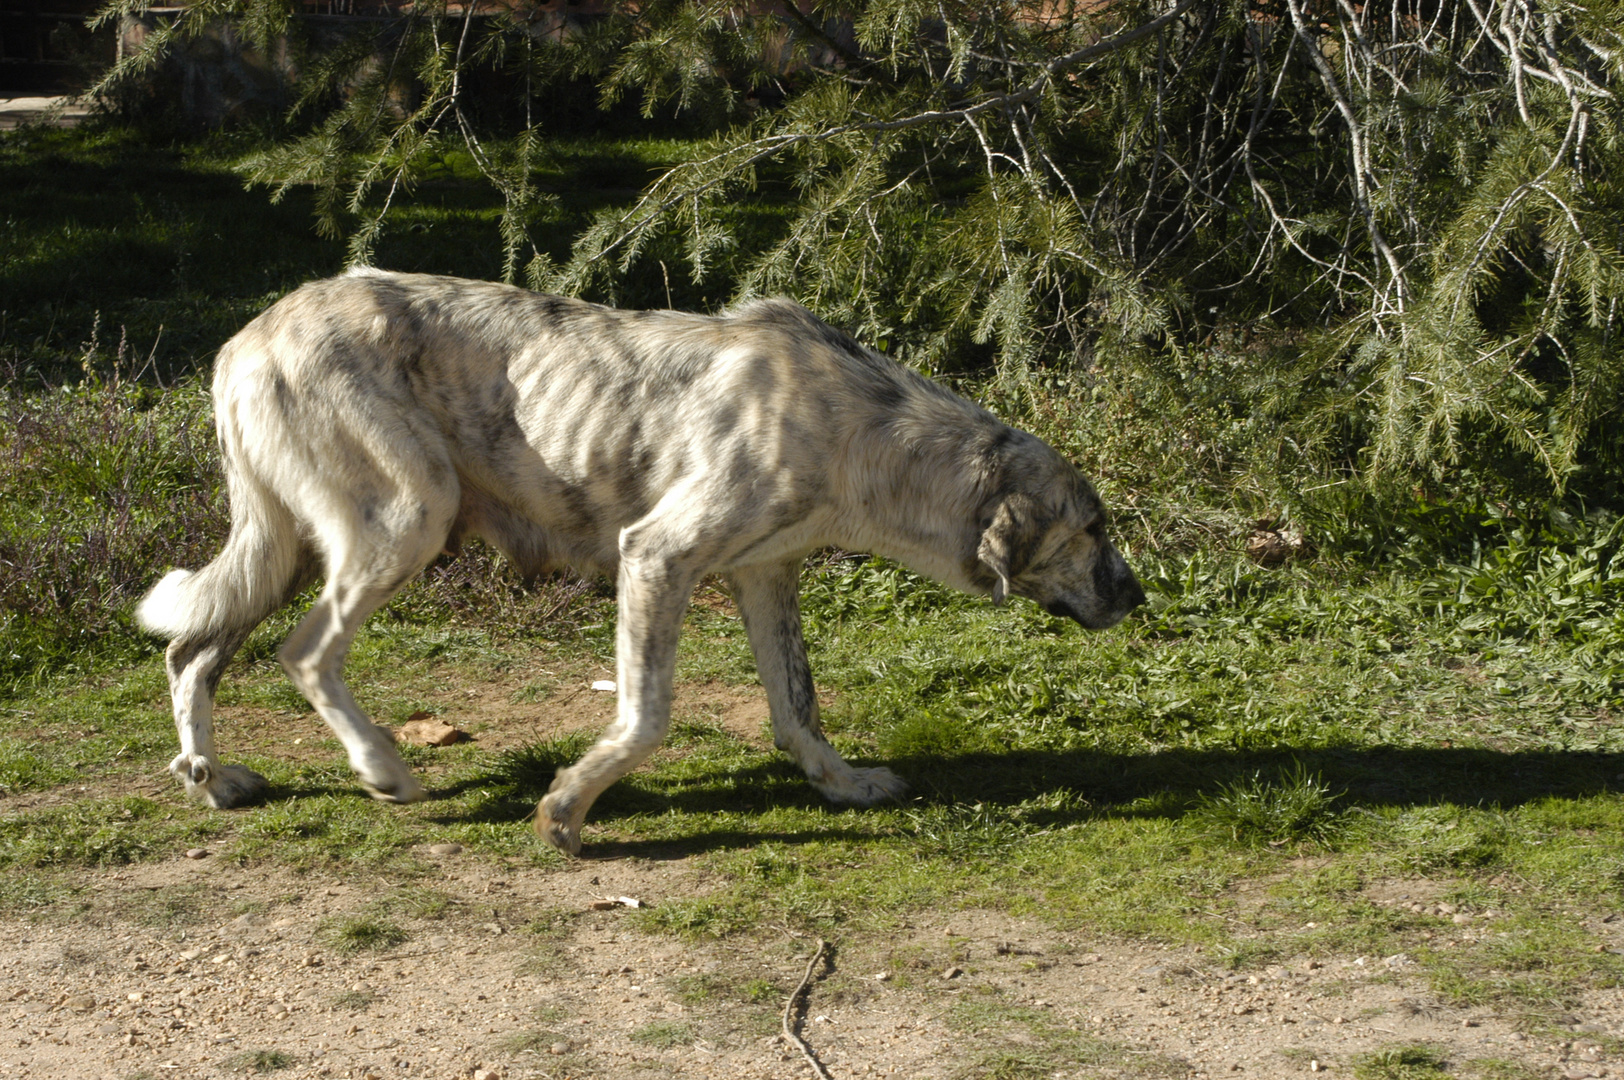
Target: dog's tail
{"points": [[256, 572]]}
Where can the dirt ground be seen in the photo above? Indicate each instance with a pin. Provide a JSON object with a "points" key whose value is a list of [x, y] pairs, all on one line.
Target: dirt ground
{"points": [[474, 992], [198, 967]]}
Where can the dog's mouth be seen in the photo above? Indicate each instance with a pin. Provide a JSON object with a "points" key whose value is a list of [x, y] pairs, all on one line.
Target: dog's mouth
{"points": [[1061, 609], [1064, 610]]}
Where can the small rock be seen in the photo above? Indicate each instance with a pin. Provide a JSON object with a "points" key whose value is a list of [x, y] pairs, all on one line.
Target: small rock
{"points": [[430, 732], [445, 849], [1312, 965], [1468, 1023], [1091, 958], [1314, 1065], [493, 928], [559, 1048], [881, 976], [604, 686], [1460, 918], [80, 1003], [197, 853], [952, 973], [1271, 545], [487, 1074]]}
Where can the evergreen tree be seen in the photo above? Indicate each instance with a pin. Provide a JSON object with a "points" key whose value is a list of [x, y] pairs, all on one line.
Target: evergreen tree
{"points": [[1421, 196]]}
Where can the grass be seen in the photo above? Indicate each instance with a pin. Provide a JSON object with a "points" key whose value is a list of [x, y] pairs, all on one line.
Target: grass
{"points": [[664, 1034], [258, 1061], [1252, 754], [362, 934], [1401, 1063]]}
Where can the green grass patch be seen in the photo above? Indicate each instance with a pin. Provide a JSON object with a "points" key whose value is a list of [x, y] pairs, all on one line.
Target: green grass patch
{"points": [[361, 933], [1401, 1063], [259, 1061], [664, 1034]]}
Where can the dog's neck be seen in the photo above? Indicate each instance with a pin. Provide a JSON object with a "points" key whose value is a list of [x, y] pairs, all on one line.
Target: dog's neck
{"points": [[920, 491]]}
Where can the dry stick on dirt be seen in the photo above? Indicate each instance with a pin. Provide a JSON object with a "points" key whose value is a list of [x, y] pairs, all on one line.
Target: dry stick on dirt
{"points": [[789, 1007]]}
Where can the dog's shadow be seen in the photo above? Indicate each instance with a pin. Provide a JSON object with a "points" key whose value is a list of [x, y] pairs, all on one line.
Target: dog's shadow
{"points": [[1051, 788]]}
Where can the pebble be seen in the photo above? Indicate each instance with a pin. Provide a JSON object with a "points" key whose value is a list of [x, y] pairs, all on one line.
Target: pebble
{"points": [[445, 849], [81, 1003], [197, 853], [952, 973]]}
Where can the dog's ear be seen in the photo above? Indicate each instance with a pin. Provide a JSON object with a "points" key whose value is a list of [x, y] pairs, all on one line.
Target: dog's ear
{"points": [[1008, 544]]}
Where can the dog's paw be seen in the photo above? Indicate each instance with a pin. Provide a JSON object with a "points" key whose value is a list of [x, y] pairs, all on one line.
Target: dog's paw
{"points": [[401, 789], [221, 786], [557, 825], [387, 778], [863, 787]]}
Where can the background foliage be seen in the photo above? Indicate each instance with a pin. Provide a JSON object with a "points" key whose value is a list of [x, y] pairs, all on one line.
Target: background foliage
{"points": [[1369, 242]]}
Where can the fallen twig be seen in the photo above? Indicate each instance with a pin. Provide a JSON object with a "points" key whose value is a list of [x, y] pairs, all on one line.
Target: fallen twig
{"points": [[789, 1007]]}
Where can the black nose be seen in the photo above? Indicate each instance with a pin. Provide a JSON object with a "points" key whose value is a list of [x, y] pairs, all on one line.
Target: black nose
{"points": [[1129, 589]]}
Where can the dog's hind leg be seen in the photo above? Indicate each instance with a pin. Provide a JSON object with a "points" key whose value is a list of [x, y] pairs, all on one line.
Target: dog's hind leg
{"points": [[371, 556], [207, 615], [769, 601], [195, 666], [653, 589]]}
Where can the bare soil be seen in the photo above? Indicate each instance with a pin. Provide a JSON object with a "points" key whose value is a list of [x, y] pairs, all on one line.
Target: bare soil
{"points": [[121, 991]]}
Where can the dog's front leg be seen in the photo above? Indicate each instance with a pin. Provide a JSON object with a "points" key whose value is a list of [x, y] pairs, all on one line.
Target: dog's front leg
{"points": [[653, 593], [770, 602]]}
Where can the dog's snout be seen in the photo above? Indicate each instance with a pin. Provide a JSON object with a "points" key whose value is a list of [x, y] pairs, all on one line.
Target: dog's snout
{"points": [[1129, 589]]}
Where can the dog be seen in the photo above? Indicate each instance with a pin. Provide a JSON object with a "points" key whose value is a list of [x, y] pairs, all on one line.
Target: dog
{"points": [[371, 421]]}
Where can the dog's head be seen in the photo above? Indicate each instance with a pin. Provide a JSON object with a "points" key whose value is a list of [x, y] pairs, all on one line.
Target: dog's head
{"points": [[1046, 540]]}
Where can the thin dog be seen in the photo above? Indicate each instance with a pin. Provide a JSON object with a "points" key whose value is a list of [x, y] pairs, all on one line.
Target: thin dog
{"points": [[369, 422]]}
